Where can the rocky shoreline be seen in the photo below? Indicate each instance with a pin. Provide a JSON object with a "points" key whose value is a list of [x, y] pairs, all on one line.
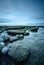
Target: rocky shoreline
{"points": [[15, 52]]}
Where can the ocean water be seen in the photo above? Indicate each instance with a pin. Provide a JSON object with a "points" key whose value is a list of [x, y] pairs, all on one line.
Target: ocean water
{"points": [[36, 42]]}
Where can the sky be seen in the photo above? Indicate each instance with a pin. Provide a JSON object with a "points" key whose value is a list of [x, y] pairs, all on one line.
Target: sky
{"points": [[21, 12]]}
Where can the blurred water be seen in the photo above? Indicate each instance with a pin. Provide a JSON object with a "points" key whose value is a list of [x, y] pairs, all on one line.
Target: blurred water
{"points": [[37, 48], [36, 43]]}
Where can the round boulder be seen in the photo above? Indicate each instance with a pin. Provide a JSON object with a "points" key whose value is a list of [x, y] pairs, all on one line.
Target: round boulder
{"points": [[5, 50], [19, 52]]}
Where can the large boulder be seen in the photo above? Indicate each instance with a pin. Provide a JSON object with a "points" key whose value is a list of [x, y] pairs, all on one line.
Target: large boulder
{"points": [[2, 45], [19, 52], [5, 36]]}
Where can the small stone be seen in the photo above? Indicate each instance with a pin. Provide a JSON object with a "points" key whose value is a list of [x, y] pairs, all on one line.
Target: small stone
{"points": [[5, 50], [26, 32], [2, 45], [20, 36]]}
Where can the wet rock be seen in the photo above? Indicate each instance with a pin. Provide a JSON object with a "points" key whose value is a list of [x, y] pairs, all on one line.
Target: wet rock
{"points": [[34, 29], [26, 32], [9, 45], [5, 32], [5, 50], [19, 52], [20, 36], [1, 39], [13, 38], [2, 45], [5, 36], [14, 32]]}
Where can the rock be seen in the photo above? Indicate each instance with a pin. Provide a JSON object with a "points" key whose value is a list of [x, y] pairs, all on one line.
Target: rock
{"points": [[17, 35], [13, 38], [19, 52], [9, 45], [5, 50], [20, 36], [26, 32], [14, 32], [5, 32], [34, 29], [2, 45], [5, 36], [1, 39]]}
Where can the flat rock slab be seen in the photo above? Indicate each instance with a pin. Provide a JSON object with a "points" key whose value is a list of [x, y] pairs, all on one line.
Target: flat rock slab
{"points": [[15, 32]]}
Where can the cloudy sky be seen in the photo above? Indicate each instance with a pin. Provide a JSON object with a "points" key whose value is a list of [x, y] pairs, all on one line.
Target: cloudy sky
{"points": [[22, 12]]}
